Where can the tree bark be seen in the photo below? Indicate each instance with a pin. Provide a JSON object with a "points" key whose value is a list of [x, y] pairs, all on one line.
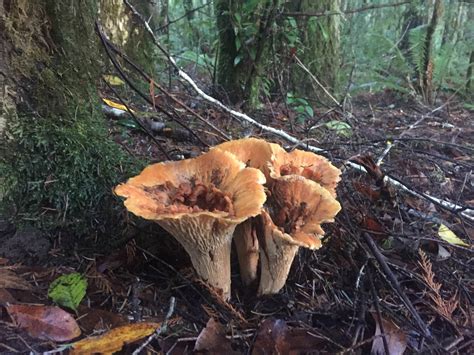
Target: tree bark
{"points": [[320, 39], [59, 164]]}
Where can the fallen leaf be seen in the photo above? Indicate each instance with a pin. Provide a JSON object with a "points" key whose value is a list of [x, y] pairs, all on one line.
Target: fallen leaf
{"points": [[8, 279], [448, 236], [116, 105], [6, 297], [396, 338], [113, 80], [275, 337], [44, 322], [68, 290], [99, 320], [212, 339], [114, 339]]}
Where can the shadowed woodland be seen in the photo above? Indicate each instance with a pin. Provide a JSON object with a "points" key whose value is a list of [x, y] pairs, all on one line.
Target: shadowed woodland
{"points": [[236, 176]]}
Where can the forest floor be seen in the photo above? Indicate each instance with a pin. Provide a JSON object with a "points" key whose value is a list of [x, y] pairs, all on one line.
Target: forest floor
{"points": [[383, 267]]}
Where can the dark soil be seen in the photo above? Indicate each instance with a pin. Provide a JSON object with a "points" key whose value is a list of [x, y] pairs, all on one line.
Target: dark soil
{"points": [[335, 295]]}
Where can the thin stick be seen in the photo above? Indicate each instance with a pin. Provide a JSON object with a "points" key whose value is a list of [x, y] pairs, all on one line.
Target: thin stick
{"points": [[396, 285], [162, 329], [467, 213], [135, 118]]}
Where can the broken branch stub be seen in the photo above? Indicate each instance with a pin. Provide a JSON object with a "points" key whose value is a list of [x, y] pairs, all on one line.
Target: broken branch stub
{"points": [[200, 202], [295, 209]]}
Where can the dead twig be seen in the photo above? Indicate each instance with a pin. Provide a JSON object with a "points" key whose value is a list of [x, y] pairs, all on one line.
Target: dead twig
{"points": [[465, 212], [395, 285]]}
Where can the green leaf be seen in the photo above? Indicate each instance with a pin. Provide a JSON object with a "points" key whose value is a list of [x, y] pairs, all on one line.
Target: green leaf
{"points": [[341, 128], [323, 31], [238, 18], [129, 123], [309, 111], [68, 290], [237, 59], [113, 80], [448, 236], [253, 53]]}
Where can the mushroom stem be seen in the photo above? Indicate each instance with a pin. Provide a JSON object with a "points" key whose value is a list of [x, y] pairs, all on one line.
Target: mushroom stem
{"points": [[246, 243], [276, 257], [208, 243]]}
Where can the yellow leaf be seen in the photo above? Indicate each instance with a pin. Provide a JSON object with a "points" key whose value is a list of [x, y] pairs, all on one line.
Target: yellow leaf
{"points": [[113, 80], [447, 235], [114, 339], [116, 105]]}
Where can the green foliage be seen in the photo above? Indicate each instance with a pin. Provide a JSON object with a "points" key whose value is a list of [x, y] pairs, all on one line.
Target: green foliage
{"points": [[416, 39], [341, 128], [68, 290], [301, 107]]}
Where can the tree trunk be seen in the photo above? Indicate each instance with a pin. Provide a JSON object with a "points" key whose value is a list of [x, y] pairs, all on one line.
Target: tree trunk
{"points": [[59, 164], [426, 80], [470, 76], [244, 42], [227, 80], [320, 38]]}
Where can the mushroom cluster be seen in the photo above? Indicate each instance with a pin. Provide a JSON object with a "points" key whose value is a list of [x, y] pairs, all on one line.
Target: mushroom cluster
{"points": [[269, 201]]}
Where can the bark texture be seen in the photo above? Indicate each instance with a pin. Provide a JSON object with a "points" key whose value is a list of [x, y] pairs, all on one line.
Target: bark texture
{"points": [[59, 163], [320, 37]]}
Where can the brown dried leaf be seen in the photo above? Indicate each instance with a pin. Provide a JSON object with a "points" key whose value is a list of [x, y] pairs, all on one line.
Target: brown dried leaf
{"points": [[8, 279], [396, 338], [115, 339], [6, 297], [44, 322], [212, 339], [275, 337]]}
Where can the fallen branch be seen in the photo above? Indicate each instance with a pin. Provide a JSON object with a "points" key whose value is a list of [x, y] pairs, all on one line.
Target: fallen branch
{"points": [[452, 207]]}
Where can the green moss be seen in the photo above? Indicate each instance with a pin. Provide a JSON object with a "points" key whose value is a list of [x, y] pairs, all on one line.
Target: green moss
{"points": [[59, 164]]}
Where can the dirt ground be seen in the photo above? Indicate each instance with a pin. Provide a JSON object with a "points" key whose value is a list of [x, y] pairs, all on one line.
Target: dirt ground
{"points": [[379, 266]]}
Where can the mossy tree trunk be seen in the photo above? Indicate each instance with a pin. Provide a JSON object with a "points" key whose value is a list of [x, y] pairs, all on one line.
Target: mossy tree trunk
{"points": [[128, 32], [59, 163], [320, 38], [227, 76], [245, 37]]}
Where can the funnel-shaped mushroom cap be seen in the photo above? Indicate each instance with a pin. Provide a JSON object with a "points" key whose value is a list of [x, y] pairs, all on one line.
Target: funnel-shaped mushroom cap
{"points": [[199, 201], [259, 154], [254, 152], [309, 165], [294, 213]]}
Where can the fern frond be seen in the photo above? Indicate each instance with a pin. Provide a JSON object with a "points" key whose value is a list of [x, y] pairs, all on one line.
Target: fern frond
{"points": [[445, 308]]}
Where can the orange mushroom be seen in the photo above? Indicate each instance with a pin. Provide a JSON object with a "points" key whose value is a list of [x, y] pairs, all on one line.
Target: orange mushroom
{"points": [[255, 153], [294, 211], [200, 202], [309, 165]]}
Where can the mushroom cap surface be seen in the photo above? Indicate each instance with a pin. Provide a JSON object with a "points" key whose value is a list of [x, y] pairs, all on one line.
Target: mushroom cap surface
{"points": [[309, 165], [297, 207], [254, 152], [160, 191]]}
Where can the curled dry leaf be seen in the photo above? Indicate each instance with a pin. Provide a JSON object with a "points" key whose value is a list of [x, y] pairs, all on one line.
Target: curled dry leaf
{"points": [[9, 279], [212, 339], [396, 338], [115, 339], [44, 322]]}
